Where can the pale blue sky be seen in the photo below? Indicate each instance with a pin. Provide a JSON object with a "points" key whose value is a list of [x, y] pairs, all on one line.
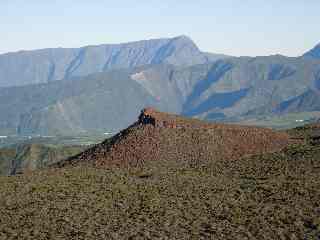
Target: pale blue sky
{"points": [[235, 27]]}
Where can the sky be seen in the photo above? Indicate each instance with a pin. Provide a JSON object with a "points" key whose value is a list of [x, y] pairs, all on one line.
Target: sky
{"points": [[233, 27]]}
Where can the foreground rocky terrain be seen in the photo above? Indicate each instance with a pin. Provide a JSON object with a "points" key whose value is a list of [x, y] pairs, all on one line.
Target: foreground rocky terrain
{"points": [[273, 193]]}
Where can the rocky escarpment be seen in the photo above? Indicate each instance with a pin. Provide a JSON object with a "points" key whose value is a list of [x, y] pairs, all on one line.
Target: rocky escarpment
{"points": [[160, 137], [163, 120]]}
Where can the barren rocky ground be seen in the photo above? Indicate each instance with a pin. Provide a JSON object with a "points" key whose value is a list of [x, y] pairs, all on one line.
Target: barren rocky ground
{"points": [[158, 136], [274, 195]]}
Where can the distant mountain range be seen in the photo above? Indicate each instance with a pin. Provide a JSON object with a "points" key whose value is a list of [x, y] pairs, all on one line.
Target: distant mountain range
{"points": [[46, 65], [102, 88]]}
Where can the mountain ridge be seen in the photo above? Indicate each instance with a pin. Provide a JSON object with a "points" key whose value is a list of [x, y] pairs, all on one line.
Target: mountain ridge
{"points": [[45, 65]]}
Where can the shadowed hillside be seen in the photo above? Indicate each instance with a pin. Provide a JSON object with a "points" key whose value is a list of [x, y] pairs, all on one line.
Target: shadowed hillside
{"points": [[24, 158]]}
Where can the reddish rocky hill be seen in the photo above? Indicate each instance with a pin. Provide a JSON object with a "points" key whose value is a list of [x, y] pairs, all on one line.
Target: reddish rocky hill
{"points": [[158, 136]]}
